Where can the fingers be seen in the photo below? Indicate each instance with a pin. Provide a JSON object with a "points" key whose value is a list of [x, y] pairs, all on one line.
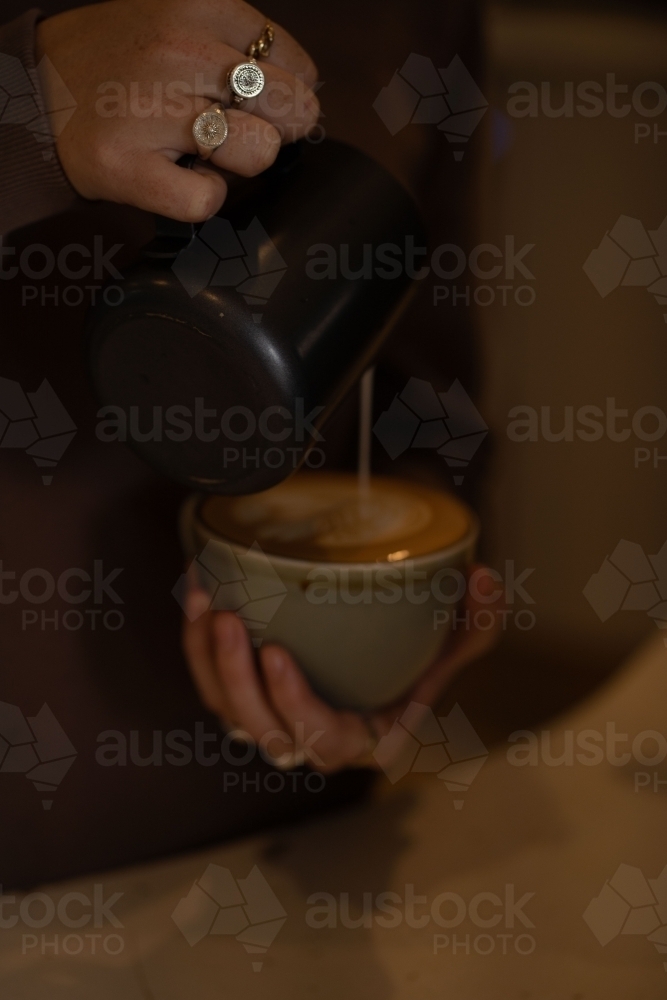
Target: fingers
{"points": [[241, 24], [251, 146], [237, 673], [215, 652], [286, 102], [329, 739], [287, 54], [289, 722], [482, 594], [468, 645], [287, 99], [199, 653], [138, 72], [285, 709], [159, 185]]}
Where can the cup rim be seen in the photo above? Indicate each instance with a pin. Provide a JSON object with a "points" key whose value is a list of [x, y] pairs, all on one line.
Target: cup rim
{"points": [[469, 539]]}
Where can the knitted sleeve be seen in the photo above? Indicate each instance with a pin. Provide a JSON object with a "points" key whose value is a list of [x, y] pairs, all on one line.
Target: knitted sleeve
{"points": [[33, 184]]}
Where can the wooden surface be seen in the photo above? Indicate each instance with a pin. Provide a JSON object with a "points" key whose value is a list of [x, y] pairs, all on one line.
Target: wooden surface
{"points": [[559, 832]]}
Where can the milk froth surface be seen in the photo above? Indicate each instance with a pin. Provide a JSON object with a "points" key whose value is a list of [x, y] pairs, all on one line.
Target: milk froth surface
{"points": [[325, 517]]}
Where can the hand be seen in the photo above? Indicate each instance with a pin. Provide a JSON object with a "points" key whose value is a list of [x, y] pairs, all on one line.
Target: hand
{"points": [[141, 71], [277, 699]]}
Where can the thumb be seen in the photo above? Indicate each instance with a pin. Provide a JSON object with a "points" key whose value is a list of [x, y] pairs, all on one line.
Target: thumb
{"points": [[161, 186]]}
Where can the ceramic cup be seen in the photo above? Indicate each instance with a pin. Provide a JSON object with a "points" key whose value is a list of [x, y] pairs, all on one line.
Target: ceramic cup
{"points": [[363, 633]]}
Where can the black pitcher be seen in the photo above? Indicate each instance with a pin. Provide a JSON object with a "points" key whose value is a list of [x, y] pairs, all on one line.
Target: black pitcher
{"points": [[235, 339]]}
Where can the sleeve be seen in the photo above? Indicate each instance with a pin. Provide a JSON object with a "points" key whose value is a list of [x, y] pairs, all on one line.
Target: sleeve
{"points": [[33, 184]]}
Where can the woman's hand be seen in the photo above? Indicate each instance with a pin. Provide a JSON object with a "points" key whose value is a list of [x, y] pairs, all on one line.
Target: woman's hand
{"points": [[140, 71], [276, 706]]}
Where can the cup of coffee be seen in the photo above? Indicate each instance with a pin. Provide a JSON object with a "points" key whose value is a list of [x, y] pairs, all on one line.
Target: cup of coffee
{"points": [[359, 583]]}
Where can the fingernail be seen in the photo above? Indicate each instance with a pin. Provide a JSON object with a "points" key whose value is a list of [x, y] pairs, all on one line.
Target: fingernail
{"points": [[197, 603]]}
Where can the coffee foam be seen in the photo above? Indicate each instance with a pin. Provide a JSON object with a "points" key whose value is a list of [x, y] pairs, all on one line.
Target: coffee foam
{"points": [[326, 517]]}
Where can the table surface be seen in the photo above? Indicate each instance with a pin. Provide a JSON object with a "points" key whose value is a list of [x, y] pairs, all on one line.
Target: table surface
{"points": [[563, 833]]}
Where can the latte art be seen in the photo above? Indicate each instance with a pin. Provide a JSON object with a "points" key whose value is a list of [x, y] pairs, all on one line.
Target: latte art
{"points": [[324, 516]]}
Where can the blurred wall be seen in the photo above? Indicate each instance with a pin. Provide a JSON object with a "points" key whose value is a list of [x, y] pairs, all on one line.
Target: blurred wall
{"points": [[561, 183]]}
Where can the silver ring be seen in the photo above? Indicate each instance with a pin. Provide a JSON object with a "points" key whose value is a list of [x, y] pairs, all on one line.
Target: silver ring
{"points": [[210, 129], [245, 81]]}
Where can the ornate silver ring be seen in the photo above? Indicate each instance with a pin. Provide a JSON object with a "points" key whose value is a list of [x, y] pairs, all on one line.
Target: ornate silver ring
{"points": [[245, 81], [210, 129]]}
